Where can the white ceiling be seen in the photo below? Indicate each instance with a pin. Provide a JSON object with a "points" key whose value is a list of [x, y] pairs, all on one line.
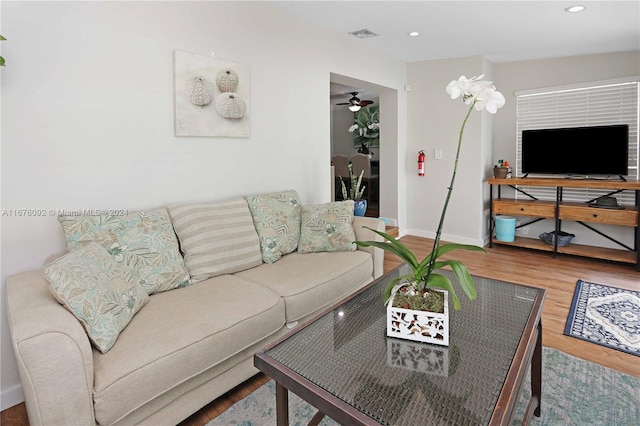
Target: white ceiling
{"points": [[502, 31]]}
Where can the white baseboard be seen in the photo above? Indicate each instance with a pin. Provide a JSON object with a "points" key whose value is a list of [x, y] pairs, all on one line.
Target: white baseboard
{"points": [[10, 397], [446, 237]]}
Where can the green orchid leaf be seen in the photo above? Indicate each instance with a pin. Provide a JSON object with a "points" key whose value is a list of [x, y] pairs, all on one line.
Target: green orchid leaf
{"points": [[2, 37], [450, 247], [440, 281], [1, 61], [447, 248], [392, 284], [464, 278], [387, 291], [386, 246], [392, 245]]}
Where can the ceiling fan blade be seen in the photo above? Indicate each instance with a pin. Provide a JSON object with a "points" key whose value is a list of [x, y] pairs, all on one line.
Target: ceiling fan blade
{"points": [[365, 103], [344, 103]]}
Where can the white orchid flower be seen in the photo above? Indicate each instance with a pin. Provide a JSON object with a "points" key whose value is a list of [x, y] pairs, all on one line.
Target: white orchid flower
{"points": [[467, 87], [490, 99], [481, 93], [353, 128]]}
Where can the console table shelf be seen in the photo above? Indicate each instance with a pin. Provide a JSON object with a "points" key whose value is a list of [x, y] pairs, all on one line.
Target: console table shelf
{"points": [[559, 210]]}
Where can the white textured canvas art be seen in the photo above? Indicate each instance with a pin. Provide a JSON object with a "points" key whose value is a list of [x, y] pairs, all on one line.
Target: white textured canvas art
{"points": [[212, 96]]}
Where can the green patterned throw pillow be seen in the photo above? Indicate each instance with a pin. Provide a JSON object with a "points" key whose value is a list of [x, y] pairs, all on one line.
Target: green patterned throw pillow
{"points": [[95, 289], [144, 242], [276, 217], [327, 227]]}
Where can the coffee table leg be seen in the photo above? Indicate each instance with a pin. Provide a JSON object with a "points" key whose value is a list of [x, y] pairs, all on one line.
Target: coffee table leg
{"points": [[282, 405], [536, 371]]}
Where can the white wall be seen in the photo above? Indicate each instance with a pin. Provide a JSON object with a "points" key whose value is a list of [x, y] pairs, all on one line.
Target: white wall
{"points": [[87, 114], [435, 124], [522, 75]]}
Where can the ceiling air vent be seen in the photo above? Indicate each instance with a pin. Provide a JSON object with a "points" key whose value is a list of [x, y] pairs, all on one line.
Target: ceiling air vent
{"points": [[364, 33]]}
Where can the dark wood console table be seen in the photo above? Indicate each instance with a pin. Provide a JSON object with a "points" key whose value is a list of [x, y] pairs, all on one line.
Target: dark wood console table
{"points": [[578, 212]]}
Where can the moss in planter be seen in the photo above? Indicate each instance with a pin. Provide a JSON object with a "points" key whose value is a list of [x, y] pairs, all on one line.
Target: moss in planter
{"points": [[433, 301]]}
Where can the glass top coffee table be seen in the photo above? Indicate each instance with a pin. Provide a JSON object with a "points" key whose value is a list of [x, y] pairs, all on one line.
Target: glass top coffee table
{"points": [[343, 363]]}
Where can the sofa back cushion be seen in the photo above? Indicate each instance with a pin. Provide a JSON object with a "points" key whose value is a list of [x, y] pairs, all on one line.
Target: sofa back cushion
{"points": [[276, 217], [144, 242], [91, 285], [327, 227], [216, 238]]}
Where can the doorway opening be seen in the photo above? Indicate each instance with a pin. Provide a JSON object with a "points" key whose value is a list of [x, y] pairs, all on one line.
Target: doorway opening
{"points": [[378, 147]]}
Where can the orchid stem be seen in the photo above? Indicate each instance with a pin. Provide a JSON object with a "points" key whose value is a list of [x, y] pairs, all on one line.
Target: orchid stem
{"points": [[436, 243]]}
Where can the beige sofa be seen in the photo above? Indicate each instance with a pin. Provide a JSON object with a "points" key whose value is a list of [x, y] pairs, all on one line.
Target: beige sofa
{"points": [[183, 349]]}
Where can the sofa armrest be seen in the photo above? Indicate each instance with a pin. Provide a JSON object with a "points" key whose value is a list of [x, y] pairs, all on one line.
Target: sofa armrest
{"points": [[53, 353], [363, 234]]}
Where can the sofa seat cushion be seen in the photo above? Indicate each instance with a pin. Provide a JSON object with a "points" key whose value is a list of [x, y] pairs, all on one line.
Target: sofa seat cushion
{"points": [[309, 282], [177, 336]]}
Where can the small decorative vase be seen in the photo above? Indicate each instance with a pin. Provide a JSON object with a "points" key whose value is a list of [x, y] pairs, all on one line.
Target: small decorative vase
{"points": [[421, 326], [500, 172], [359, 207]]}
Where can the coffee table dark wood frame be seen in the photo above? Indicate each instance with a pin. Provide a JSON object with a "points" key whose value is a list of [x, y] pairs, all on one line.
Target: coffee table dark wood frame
{"points": [[528, 354]]}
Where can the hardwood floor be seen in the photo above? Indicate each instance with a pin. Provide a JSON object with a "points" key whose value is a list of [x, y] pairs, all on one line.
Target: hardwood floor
{"points": [[528, 267]]}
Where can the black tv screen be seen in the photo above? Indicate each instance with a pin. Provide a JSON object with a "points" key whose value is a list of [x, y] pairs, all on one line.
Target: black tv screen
{"points": [[593, 150]]}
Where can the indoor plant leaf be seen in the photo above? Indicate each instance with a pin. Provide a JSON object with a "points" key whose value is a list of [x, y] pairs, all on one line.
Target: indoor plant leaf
{"points": [[462, 275], [441, 281], [392, 284], [392, 245]]}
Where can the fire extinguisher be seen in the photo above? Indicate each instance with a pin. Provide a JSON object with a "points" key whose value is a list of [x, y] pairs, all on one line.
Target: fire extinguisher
{"points": [[421, 163]]}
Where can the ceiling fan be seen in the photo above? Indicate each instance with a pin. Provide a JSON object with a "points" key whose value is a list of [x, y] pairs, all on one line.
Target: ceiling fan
{"points": [[355, 103]]}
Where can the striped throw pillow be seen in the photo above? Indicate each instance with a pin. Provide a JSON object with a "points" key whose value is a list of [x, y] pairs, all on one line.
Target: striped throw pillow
{"points": [[216, 239]]}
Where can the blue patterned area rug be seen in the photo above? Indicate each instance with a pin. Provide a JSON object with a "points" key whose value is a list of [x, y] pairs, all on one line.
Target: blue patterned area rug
{"points": [[605, 315], [574, 392]]}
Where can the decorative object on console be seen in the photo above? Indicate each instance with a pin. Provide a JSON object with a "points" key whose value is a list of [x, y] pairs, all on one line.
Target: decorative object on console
{"points": [[564, 238], [401, 291], [501, 170], [206, 109], [607, 203]]}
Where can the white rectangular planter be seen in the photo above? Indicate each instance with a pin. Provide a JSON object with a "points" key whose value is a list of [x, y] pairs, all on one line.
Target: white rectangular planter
{"points": [[420, 326]]}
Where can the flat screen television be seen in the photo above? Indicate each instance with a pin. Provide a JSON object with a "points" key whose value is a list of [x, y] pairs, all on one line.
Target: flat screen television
{"points": [[584, 151]]}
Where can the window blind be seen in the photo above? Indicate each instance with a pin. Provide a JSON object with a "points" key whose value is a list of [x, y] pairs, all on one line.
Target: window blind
{"points": [[590, 105]]}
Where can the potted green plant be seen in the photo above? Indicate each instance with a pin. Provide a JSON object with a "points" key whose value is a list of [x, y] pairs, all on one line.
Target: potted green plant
{"points": [[355, 192], [501, 170], [423, 293]]}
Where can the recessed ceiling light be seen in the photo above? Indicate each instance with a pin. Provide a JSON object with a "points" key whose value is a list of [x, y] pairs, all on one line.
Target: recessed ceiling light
{"points": [[575, 9], [414, 34]]}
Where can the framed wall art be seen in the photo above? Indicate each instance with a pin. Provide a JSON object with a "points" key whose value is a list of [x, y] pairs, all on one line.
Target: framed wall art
{"points": [[212, 96]]}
